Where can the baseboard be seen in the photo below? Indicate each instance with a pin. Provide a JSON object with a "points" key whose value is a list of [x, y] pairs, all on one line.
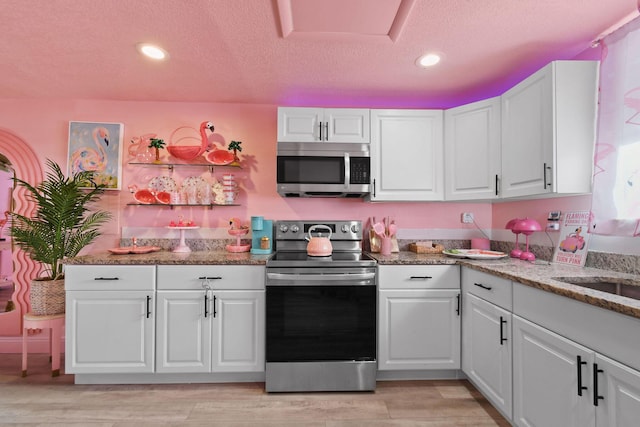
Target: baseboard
{"points": [[35, 344]]}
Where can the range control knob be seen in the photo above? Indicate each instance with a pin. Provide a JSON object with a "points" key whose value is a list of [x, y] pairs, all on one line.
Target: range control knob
{"points": [[295, 228], [345, 228], [283, 228], [355, 228]]}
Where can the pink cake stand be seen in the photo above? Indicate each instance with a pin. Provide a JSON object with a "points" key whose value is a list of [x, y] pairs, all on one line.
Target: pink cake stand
{"points": [[238, 233], [182, 246]]}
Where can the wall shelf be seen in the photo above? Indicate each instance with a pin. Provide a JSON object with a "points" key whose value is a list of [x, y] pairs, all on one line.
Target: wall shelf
{"points": [[209, 206], [172, 165]]}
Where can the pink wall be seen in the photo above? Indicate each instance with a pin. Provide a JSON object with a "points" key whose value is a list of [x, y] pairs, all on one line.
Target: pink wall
{"points": [[44, 124], [536, 209]]}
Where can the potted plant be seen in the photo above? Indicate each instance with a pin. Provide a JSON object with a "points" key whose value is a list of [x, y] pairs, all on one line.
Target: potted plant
{"points": [[156, 144], [61, 227], [235, 146]]}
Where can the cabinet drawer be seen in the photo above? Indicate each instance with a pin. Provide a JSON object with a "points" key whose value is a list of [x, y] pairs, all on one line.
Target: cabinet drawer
{"points": [[418, 277], [110, 277], [488, 287], [216, 276]]}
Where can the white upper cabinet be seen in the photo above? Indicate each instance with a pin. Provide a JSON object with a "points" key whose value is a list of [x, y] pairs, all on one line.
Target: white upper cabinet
{"points": [[548, 131], [407, 159], [302, 124], [472, 150]]}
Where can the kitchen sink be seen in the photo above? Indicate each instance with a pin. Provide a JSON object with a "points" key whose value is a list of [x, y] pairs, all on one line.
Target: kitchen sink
{"points": [[612, 285]]}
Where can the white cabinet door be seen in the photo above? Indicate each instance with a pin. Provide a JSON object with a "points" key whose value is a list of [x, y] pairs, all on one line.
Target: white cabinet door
{"points": [[347, 125], [548, 130], [109, 331], [487, 350], [238, 331], [407, 159], [472, 150], [619, 387], [418, 329], [303, 124], [550, 372], [527, 135], [183, 332], [299, 124]]}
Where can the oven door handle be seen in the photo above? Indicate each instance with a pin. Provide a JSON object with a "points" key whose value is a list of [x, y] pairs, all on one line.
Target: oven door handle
{"points": [[340, 277]]}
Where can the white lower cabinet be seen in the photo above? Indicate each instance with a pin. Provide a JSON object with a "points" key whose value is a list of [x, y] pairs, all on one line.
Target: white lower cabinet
{"points": [[184, 332], [486, 343], [554, 331], [238, 331], [418, 317], [110, 328], [210, 319], [550, 372], [486, 336], [618, 393]]}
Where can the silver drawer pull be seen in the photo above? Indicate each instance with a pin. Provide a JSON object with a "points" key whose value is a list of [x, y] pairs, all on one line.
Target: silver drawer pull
{"points": [[480, 285], [106, 278], [420, 277], [209, 278]]}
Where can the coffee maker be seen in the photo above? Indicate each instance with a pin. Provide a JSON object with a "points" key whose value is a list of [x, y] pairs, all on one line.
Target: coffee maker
{"points": [[261, 235]]}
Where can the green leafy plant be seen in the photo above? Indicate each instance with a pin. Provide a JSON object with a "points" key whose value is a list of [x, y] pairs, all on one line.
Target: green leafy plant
{"points": [[63, 223], [235, 146], [157, 144], [5, 164]]}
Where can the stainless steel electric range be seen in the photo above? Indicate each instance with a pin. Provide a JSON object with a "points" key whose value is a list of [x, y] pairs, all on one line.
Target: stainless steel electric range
{"points": [[321, 312]]}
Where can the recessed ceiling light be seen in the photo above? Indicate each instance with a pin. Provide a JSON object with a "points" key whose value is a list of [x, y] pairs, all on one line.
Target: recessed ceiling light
{"points": [[428, 60], [152, 51]]}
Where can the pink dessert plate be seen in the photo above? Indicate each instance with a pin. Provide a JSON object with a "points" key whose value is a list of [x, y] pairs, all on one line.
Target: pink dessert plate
{"points": [[219, 157], [144, 196]]}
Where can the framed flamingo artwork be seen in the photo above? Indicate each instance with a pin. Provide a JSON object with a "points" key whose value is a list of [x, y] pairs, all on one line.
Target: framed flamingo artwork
{"points": [[97, 147]]}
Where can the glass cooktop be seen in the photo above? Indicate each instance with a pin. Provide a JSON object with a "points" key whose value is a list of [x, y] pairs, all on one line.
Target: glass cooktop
{"points": [[291, 259]]}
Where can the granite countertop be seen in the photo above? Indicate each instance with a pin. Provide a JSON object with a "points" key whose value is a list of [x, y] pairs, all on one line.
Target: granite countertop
{"points": [[539, 275], [221, 257]]}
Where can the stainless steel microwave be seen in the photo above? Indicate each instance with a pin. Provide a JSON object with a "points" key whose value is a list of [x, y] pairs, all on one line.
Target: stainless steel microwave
{"points": [[323, 169]]}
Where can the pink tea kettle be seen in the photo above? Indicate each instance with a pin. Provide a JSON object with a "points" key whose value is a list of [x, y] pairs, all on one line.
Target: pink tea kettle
{"points": [[319, 246]]}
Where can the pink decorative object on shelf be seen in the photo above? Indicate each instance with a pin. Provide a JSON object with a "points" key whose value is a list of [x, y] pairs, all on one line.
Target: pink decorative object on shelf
{"points": [[183, 133], [238, 230], [220, 157]]}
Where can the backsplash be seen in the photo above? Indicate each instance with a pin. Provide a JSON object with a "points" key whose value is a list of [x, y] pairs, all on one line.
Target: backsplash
{"points": [[606, 261]]}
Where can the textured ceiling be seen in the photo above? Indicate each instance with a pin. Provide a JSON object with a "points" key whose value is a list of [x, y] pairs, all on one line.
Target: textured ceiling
{"points": [[234, 50]]}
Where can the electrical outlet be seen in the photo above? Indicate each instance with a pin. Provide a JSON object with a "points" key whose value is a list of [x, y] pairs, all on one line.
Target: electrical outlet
{"points": [[467, 218]]}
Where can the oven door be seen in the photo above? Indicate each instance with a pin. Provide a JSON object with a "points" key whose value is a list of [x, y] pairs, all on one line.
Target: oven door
{"points": [[320, 315]]}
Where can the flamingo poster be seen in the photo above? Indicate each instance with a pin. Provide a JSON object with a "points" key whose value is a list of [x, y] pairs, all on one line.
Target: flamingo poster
{"points": [[574, 239], [97, 147]]}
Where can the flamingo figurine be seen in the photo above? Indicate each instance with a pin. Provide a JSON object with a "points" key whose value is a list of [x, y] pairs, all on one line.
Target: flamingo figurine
{"points": [[190, 152], [205, 139], [89, 159]]}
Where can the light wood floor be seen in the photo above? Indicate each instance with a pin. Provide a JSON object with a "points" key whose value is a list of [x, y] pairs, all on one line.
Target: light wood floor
{"points": [[40, 399]]}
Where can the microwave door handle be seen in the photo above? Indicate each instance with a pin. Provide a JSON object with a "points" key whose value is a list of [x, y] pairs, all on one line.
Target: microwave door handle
{"points": [[347, 171]]}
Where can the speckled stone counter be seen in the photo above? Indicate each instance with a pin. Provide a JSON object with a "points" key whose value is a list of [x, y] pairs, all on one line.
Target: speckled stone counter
{"points": [[168, 258], [540, 274]]}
